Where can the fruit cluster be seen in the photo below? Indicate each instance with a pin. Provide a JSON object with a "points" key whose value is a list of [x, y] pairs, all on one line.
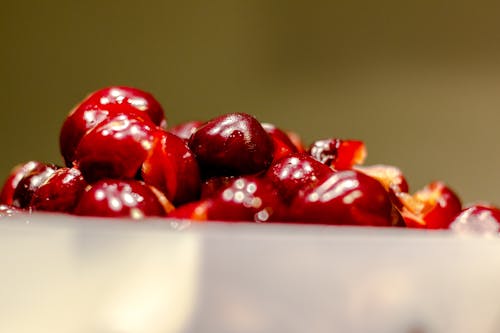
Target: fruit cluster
{"points": [[121, 160]]}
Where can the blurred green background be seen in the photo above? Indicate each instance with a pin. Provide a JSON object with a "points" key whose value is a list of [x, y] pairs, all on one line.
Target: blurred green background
{"points": [[418, 82]]}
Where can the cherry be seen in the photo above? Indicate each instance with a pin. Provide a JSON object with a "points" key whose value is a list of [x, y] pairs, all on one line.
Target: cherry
{"points": [[185, 130], [296, 172], [30, 183], [16, 175], [433, 207], [122, 198], [172, 168], [101, 105], [232, 144], [345, 198], [116, 148], [339, 154], [247, 198], [483, 219], [60, 192], [283, 146]]}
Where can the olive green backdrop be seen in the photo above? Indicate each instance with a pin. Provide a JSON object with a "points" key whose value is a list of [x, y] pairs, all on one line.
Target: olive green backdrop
{"points": [[420, 83]]}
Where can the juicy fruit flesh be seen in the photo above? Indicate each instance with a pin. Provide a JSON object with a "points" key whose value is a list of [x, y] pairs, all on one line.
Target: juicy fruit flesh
{"points": [[123, 161]]}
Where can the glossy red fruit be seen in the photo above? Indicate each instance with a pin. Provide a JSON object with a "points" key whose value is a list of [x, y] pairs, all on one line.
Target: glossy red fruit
{"points": [[116, 148], [433, 207], [232, 144], [213, 185], [185, 130], [339, 154], [121, 198], [30, 183], [296, 172], [172, 168], [345, 198], [60, 192], [7, 210], [101, 105], [391, 178], [17, 173], [283, 146], [478, 219], [297, 141], [247, 198]]}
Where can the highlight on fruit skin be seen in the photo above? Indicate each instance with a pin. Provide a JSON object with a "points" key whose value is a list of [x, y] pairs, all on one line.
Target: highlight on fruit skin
{"points": [[121, 160]]}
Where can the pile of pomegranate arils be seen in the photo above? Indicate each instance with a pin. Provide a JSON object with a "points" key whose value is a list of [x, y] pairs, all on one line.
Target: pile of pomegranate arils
{"points": [[123, 161]]}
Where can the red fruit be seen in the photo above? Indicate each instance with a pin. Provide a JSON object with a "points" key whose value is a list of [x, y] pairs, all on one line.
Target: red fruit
{"points": [[172, 168], [297, 141], [101, 105], [122, 198], [345, 198], [433, 207], [60, 192], [391, 178], [248, 198], [283, 146], [116, 148], [339, 154], [17, 173], [7, 210], [232, 144], [482, 219], [30, 183], [296, 172], [213, 185], [185, 130]]}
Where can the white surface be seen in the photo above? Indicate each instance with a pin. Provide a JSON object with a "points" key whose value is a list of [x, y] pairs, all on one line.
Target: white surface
{"points": [[64, 274]]}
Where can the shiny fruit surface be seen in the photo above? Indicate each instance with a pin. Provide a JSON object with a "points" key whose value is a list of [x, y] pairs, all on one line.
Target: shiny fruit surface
{"points": [[345, 198], [232, 144]]}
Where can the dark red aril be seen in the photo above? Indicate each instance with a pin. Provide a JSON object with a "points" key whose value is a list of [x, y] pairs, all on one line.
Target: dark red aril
{"points": [[116, 148], [345, 198], [283, 146], [296, 172], [60, 192], [185, 130], [172, 168], [16, 175], [338, 154], [232, 144], [245, 199], [30, 183], [121, 198], [101, 105]]}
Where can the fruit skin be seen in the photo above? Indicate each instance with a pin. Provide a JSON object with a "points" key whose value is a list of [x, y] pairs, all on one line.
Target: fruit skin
{"points": [[232, 144], [337, 153], [16, 175], [245, 199], [283, 146], [185, 130], [101, 105], [296, 172], [433, 207], [60, 192], [345, 198], [120, 198], [116, 148], [30, 183], [212, 186], [479, 218], [172, 168]]}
